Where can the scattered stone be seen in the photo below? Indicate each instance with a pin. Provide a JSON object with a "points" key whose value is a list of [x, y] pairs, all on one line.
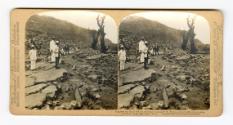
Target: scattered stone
{"points": [[165, 98], [48, 75], [50, 91], [136, 75], [182, 77], [184, 57], [30, 81], [35, 100], [35, 89], [78, 98], [126, 99], [163, 68], [143, 103], [147, 107], [93, 77], [155, 106], [160, 104], [125, 88], [183, 96]]}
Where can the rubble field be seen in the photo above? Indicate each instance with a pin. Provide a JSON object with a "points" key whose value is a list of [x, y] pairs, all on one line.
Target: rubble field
{"points": [[86, 79], [174, 80]]}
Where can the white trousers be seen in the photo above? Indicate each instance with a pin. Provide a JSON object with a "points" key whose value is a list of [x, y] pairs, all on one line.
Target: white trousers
{"points": [[53, 57], [122, 64], [33, 64], [142, 57]]}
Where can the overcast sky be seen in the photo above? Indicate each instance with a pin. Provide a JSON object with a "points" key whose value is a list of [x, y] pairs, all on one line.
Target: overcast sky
{"points": [[177, 20], [86, 19]]}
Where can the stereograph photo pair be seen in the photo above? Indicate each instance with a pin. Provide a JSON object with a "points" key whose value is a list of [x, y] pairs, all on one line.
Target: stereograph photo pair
{"points": [[122, 62]]}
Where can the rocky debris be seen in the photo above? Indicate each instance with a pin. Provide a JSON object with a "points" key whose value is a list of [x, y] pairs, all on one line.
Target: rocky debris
{"points": [[136, 76], [125, 100], [183, 58], [165, 98], [78, 98], [93, 77], [36, 96], [50, 91], [30, 81], [48, 75], [125, 88], [94, 57], [35, 100], [35, 89], [180, 77], [163, 68]]}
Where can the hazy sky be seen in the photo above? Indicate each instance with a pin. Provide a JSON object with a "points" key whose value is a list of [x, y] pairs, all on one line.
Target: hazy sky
{"points": [[177, 20], [86, 19]]}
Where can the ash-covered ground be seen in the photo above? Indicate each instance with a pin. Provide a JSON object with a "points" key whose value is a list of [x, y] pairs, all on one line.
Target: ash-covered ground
{"points": [[175, 80], [86, 79]]}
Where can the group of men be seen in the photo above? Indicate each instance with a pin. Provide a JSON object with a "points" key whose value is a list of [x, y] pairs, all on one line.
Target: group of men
{"points": [[54, 54], [143, 51]]}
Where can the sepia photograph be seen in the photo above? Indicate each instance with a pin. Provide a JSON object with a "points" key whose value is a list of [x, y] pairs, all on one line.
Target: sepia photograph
{"points": [[164, 61], [110, 62], [71, 61]]}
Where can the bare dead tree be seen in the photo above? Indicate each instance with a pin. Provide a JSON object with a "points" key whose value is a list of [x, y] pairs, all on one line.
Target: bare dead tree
{"points": [[189, 35], [100, 36]]}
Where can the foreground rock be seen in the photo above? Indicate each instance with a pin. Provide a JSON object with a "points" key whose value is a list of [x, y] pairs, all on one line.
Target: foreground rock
{"points": [[48, 75], [126, 99], [136, 75], [35, 89], [35, 100]]}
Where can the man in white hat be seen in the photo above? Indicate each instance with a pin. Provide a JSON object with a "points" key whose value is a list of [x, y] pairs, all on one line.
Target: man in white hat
{"points": [[33, 57], [52, 44], [140, 48], [56, 54], [145, 54], [122, 57]]}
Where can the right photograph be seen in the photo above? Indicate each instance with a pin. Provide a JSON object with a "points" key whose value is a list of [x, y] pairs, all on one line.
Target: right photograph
{"points": [[164, 60]]}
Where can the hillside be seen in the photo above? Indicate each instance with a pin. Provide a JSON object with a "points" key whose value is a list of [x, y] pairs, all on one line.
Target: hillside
{"points": [[41, 28], [133, 28], [84, 79]]}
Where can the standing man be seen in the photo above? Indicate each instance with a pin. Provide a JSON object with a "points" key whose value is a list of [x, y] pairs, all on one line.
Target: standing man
{"points": [[52, 44], [56, 54], [122, 57], [156, 49], [145, 53], [32, 56], [140, 48]]}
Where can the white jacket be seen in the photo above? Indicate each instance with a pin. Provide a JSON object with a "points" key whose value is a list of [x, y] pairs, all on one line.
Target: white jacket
{"points": [[32, 54], [56, 51], [145, 51], [122, 55], [52, 45], [141, 46]]}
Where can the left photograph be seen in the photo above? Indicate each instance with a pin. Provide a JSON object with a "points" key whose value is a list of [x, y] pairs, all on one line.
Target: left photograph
{"points": [[71, 61]]}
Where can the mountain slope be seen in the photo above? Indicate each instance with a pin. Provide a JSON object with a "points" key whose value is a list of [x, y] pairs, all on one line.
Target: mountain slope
{"points": [[40, 29], [133, 28]]}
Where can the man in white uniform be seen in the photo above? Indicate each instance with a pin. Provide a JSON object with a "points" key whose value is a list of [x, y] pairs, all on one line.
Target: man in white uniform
{"points": [[122, 57], [140, 48], [32, 56], [145, 54], [52, 44], [56, 54]]}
